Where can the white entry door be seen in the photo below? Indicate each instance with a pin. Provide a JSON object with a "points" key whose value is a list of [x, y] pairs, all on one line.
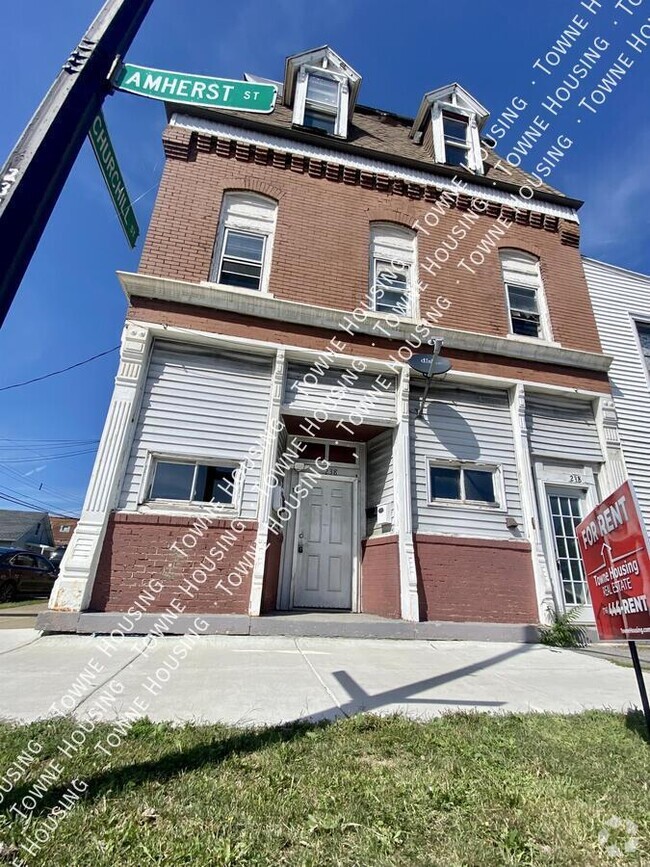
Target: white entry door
{"points": [[567, 507], [323, 558]]}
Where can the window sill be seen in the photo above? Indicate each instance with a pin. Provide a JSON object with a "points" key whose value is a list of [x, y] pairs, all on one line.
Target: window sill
{"points": [[174, 507], [238, 290], [496, 508], [534, 341]]}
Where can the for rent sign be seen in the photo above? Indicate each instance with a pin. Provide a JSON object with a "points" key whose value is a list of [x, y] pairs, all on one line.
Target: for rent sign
{"points": [[614, 551]]}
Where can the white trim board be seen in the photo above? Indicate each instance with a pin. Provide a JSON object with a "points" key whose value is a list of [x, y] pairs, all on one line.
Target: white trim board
{"points": [[218, 297], [414, 176]]}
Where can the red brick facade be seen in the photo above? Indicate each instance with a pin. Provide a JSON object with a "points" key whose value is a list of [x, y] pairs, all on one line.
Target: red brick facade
{"points": [[380, 588], [475, 580], [320, 252], [138, 549]]}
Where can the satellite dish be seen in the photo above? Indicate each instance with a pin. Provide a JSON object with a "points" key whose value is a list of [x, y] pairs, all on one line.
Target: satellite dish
{"points": [[429, 364]]}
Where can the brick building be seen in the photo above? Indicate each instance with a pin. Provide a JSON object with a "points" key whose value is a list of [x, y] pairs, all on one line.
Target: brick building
{"points": [[264, 449]]}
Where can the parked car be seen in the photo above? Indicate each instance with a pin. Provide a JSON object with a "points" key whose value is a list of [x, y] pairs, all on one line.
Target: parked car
{"points": [[25, 574]]}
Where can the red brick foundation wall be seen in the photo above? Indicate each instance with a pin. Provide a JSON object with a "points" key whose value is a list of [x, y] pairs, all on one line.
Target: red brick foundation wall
{"points": [[380, 577], [475, 580], [272, 572], [136, 555]]}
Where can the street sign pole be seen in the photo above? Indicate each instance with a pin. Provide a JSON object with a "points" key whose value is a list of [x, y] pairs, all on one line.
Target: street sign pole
{"points": [[38, 167], [643, 692]]}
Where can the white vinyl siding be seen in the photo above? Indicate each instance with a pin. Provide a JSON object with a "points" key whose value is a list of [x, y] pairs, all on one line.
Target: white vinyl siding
{"points": [[562, 428], [379, 475], [621, 299], [469, 428], [203, 406], [339, 392]]}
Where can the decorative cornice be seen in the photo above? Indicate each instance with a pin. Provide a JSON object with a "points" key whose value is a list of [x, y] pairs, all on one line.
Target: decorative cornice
{"points": [[265, 306], [261, 148]]}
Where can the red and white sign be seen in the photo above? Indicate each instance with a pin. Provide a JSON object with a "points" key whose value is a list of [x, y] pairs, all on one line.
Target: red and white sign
{"points": [[614, 550]]}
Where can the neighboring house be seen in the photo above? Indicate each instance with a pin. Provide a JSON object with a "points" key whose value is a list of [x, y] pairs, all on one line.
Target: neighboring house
{"points": [[293, 262], [62, 529], [621, 301], [24, 529]]}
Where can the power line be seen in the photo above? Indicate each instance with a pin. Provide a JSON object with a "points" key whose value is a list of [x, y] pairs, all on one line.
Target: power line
{"points": [[24, 480], [34, 458], [40, 507], [58, 372]]}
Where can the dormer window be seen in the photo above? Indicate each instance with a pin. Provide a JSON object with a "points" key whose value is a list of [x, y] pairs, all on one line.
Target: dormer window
{"points": [[448, 124], [321, 102], [456, 133], [322, 89]]}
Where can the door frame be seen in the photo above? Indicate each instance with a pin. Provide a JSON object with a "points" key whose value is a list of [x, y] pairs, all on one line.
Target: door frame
{"points": [[342, 472], [571, 480]]}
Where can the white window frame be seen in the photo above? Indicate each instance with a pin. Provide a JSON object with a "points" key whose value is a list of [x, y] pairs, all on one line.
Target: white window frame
{"points": [[252, 214], [397, 245], [519, 268], [438, 110], [300, 100], [146, 502], [497, 481]]}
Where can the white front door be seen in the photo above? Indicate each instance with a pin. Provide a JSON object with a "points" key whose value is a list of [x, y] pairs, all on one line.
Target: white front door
{"points": [[567, 507], [323, 559]]}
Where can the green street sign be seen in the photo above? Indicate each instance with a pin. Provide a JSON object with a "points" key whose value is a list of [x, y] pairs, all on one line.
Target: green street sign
{"points": [[107, 160], [222, 93]]}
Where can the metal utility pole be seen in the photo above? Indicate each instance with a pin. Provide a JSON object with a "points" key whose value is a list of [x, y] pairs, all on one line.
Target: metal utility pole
{"points": [[38, 167]]}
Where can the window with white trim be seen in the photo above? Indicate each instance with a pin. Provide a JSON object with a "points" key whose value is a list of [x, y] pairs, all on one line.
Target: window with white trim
{"points": [[245, 241], [524, 295], [188, 481], [392, 269], [321, 101], [456, 140], [463, 483], [456, 131], [643, 329]]}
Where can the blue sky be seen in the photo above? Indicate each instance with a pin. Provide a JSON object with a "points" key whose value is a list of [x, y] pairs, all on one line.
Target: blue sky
{"points": [[70, 305]]}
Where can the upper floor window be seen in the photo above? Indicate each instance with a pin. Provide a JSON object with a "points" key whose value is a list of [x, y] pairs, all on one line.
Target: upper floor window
{"points": [[525, 295], [392, 269], [245, 241], [643, 329], [321, 102], [456, 133]]}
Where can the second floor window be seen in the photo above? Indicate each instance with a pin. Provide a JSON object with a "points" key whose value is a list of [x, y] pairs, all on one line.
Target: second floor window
{"points": [[524, 295], [392, 269], [245, 241]]}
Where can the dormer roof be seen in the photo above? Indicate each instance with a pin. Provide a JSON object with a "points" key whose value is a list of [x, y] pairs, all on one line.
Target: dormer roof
{"points": [[326, 58], [455, 94]]}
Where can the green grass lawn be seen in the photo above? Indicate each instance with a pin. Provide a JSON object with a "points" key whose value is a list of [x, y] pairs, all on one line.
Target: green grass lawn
{"points": [[465, 789], [20, 602]]}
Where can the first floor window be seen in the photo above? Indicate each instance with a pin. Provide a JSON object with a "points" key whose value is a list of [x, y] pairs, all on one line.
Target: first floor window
{"points": [[464, 483], [644, 338], [192, 482]]}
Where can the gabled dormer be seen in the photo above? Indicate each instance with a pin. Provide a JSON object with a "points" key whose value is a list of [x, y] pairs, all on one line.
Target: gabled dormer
{"points": [[322, 90], [448, 124]]}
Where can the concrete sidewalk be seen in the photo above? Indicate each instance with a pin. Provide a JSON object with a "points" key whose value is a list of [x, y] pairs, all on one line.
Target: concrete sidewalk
{"points": [[270, 680]]}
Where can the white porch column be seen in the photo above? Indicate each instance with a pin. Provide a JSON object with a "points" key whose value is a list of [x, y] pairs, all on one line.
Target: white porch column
{"points": [[533, 526], [265, 495], [410, 609], [73, 588], [614, 471]]}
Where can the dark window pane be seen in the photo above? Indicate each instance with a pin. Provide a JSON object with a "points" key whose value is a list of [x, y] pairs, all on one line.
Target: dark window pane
{"points": [[322, 89], [319, 120], [240, 274], [569, 596], [313, 451], [479, 485], [343, 455], [172, 481], [241, 245], [522, 299], [445, 483], [388, 301], [524, 326], [455, 156], [214, 484], [455, 129]]}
